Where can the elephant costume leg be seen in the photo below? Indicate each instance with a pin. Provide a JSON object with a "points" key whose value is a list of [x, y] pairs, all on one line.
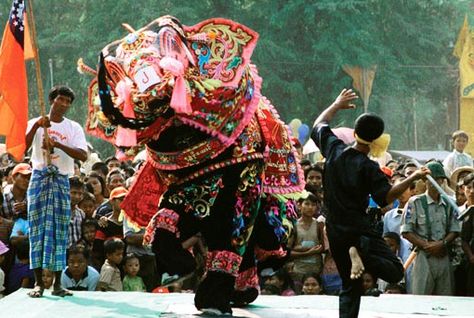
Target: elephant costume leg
{"points": [[227, 231], [170, 256]]}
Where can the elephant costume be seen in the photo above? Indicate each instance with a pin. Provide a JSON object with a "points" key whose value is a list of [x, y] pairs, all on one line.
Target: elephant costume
{"points": [[220, 162]]}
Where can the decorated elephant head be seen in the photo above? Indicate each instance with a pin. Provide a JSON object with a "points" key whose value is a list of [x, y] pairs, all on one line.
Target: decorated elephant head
{"points": [[186, 93], [190, 96]]}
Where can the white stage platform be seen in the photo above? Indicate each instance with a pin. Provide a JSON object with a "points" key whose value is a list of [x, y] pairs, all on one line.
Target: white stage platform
{"points": [[130, 304]]}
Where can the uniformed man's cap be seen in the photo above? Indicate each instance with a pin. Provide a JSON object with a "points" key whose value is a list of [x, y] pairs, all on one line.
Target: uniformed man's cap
{"points": [[437, 170]]}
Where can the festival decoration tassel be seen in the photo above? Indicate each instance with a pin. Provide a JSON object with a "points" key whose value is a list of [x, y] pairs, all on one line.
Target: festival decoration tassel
{"points": [[125, 137], [179, 100]]}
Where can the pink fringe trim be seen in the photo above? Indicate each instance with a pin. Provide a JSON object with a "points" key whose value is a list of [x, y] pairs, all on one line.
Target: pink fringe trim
{"points": [[125, 137], [180, 99], [226, 141], [249, 113]]}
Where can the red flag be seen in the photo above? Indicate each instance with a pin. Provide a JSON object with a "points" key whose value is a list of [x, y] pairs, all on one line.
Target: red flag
{"points": [[13, 85]]}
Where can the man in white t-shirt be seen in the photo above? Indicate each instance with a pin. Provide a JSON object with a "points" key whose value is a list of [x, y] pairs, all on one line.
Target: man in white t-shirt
{"points": [[49, 215], [67, 138]]}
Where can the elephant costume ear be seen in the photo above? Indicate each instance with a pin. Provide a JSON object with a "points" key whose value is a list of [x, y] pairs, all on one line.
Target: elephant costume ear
{"points": [[222, 49]]}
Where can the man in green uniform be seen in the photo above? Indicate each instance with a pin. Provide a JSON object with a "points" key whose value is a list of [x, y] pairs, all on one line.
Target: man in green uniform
{"points": [[430, 224]]}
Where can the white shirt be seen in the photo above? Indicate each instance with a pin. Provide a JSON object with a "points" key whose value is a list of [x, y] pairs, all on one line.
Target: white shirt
{"points": [[67, 132], [455, 160]]}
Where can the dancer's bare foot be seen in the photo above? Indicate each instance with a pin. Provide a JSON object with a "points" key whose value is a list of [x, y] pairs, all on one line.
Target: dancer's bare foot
{"points": [[357, 268]]}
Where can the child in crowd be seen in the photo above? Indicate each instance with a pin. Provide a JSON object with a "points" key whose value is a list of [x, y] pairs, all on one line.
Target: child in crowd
{"points": [[309, 243], [458, 158], [269, 289], [100, 168], [314, 178], [369, 285], [78, 275], [110, 226], [3, 250], [95, 184], [20, 229], [312, 285], [392, 165], [460, 196], [305, 164], [132, 282], [88, 205], [394, 289], [48, 278], [401, 248], [89, 228], [456, 182], [76, 192], [282, 281], [110, 279], [21, 276]]}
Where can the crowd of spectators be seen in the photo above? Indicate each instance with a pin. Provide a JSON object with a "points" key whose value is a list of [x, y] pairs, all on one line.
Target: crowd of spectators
{"points": [[106, 251]]}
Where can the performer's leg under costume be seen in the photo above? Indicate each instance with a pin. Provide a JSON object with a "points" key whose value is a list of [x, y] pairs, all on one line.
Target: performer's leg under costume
{"points": [[171, 258], [378, 259], [223, 207], [227, 231]]}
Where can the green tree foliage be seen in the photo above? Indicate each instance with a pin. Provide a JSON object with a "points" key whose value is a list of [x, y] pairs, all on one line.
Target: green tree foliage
{"points": [[303, 45]]}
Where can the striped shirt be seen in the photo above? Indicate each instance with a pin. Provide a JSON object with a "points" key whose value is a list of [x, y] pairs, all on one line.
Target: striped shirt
{"points": [[75, 226], [8, 202]]}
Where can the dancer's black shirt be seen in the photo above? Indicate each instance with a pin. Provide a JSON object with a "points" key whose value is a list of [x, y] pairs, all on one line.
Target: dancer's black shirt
{"points": [[349, 178]]}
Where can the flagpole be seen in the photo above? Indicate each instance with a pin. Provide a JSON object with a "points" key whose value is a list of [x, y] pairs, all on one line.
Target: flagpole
{"points": [[39, 82]]}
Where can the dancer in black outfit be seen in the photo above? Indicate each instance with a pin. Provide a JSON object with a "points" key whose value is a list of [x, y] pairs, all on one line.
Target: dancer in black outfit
{"points": [[349, 178]]}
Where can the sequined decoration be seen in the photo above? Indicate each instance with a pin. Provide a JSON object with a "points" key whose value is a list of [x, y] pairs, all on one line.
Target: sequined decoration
{"points": [[198, 198], [247, 205]]}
